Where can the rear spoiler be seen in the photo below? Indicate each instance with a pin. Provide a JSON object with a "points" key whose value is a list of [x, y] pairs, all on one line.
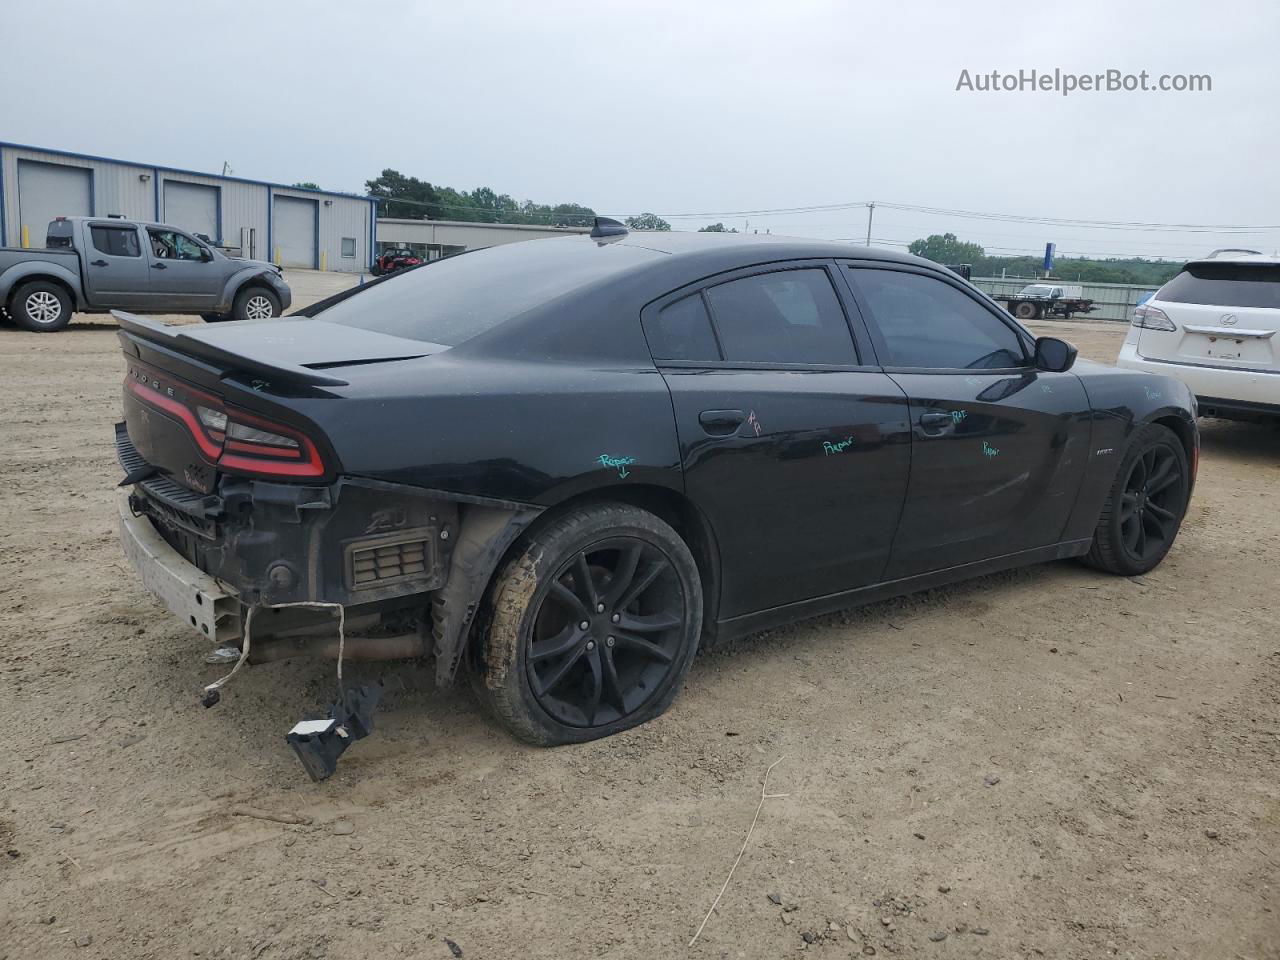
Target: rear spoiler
{"points": [[176, 337]]}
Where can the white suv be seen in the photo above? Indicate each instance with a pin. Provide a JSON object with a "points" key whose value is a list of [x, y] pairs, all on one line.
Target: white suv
{"points": [[1216, 327]]}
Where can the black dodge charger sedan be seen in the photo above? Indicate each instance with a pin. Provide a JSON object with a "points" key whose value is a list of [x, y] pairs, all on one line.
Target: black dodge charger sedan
{"points": [[564, 465]]}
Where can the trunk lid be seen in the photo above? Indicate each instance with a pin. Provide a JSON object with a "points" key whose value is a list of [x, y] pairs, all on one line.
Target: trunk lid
{"points": [[1224, 313], [200, 400]]}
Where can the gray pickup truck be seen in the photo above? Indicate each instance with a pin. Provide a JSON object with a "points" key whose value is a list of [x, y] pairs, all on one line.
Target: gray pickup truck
{"points": [[97, 264]]}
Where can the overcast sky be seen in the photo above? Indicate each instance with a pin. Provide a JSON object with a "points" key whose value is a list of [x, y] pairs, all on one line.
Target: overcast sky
{"points": [[688, 107]]}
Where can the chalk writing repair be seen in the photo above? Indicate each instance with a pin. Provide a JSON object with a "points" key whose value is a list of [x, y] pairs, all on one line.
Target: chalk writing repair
{"points": [[828, 448], [619, 463]]}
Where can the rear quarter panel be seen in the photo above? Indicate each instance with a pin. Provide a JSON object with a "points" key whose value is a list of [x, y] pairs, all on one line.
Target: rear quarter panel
{"points": [[17, 266], [529, 432]]}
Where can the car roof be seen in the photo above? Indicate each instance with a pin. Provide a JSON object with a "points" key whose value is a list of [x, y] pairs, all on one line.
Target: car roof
{"points": [[772, 246], [1258, 258]]}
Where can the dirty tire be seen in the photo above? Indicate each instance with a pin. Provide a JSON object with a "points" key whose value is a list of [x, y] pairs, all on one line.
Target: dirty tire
{"points": [[41, 307], [1024, 311], [1111, 550], [523, 621], [255, 303]]}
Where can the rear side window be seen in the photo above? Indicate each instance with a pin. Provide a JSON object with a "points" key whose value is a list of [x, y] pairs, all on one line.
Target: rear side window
{"points": [[682, 331], [1225, 285], [791, 316], [116, 241], [454, 299], [931, 324]]}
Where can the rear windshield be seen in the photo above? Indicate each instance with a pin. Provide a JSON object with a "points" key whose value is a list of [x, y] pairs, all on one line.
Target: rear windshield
{"points": [[450, 301], [1225, 285]]}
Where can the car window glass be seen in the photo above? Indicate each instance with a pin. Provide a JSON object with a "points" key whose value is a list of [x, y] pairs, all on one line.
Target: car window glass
{"points": [[171, 245], [791, 316], [928, 323], [682, 331], [454, 299], [116, 241], [1225, 285]]}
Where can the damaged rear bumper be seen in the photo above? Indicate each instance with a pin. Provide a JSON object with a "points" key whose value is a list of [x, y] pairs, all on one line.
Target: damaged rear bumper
{"points": [[408, 566], [191, 595]]}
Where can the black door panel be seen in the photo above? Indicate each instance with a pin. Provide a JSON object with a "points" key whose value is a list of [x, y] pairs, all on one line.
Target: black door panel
{"points": [[997, 460], [804, 495]]}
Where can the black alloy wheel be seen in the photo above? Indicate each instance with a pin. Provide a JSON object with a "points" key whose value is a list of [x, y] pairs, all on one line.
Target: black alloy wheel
{"points": [[1151, 503], [1144, 510], [607, 633], [590, 626]]}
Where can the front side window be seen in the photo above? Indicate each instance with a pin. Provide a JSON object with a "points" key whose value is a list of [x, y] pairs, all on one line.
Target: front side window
{"points": [[116, 241], [171, 245], [791, 316], [928, 323]]}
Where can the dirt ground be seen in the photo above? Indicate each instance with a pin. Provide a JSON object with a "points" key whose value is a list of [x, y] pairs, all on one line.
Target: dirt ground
{"points": [[1050, 762]]}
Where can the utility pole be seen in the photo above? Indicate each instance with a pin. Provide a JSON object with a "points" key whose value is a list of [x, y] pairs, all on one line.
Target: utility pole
{"points": [[871, 212]]}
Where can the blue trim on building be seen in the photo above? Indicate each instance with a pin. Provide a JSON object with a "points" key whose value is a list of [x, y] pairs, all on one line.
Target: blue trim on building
{"points": [[155, 185], [2, 237], [271, 211], [219, 212], [316, 265]]}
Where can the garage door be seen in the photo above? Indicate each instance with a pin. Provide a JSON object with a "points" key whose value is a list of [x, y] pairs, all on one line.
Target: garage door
{"points": [[293, 231], [192, 207], [48, 190]]}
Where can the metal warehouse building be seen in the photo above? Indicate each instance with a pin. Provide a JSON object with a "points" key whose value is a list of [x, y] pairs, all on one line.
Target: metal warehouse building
{"points": [[290, 226], [432, 239]]}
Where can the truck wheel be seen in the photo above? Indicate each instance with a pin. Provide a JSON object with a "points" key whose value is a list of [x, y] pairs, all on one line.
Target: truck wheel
{"points": [[1040, 309], [1024, 311], [1067, 314], [41, 307], [255, 303], [590, 628]]}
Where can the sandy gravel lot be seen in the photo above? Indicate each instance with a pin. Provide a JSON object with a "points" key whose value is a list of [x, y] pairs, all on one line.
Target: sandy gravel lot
{"points": [[1133, 727]]}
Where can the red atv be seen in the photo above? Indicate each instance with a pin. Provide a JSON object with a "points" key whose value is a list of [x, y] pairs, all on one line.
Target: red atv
{"points": [[392, 260]]}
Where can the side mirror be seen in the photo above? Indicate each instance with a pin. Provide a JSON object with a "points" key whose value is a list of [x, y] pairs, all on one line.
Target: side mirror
{"points": [[1054, 355]]}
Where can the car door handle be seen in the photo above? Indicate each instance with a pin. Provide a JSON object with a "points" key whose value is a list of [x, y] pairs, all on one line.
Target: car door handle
{"points": [[98, 263], [721, 423], [158, 266], [936, 424]]}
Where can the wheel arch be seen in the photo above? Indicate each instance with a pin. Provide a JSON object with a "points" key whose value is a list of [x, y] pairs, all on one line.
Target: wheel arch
{"points": [[1188, 433], [682, 515], [59, 282], [242, 280], [490, 537]]}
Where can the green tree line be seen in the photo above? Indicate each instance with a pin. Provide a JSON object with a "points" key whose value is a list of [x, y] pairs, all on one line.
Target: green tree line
{"points": [[412, 199], [947, 248]]}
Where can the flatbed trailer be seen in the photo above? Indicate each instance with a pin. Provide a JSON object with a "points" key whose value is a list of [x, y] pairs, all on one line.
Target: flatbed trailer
{"points": [[1039, 300]]}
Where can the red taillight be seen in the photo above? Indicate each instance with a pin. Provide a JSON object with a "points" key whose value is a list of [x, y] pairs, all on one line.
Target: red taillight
{"points": [[229, 437], [264, 447]]}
